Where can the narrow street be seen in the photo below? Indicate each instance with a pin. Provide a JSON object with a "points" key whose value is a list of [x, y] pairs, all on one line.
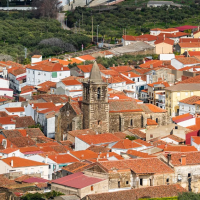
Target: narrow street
{"points": [[61, 19]]}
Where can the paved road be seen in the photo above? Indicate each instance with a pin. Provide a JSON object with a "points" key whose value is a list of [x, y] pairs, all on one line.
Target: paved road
{"points": [[61, 19]]}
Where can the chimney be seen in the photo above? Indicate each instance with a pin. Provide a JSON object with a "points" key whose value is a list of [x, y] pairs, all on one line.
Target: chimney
{"points": [[129, 75], [151, 66], [183, 159], [46, 159], [190, 41], [168, 157], [96, 132], [11, 163], [142, 33], [61, 68], [164, 36], [107, 155], [198, 28]]}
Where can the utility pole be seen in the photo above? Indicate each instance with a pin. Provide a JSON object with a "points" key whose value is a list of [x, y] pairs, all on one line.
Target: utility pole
{"points": [[8, 6], [97, 33], [82, 18], [92, 28], [79, 25]]}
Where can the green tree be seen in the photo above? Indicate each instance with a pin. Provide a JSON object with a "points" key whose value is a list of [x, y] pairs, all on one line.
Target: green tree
{"points": [[36, 196], [189, 196], [131, 137]]}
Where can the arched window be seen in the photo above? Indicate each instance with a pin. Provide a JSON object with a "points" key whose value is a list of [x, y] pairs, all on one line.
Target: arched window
{"points": [[99, 93]]}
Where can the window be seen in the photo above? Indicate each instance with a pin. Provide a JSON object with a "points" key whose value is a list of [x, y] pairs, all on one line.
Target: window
{"points": [[151, 135], [178, 94], [118, 184], [99, 121], [44, 74], [131, 122], [182, 107], [29, 71], [21, 113], [192, 93], [141, 181], [49, 166], [167, 180], [189, 108], [186, 93], [33, 72], [98, 93], [60, 74], [156, 120], [6, 127], [189, 175], [92, 188], [133, 79], [127, 182]]}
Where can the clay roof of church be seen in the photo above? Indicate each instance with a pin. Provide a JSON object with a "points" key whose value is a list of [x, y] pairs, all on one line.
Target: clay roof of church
{"points": [[124, 106], [95, 74]]}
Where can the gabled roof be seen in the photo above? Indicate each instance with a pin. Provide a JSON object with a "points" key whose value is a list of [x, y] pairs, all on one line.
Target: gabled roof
{"points": [[195, 79], [172, 35], [21, 162], [126, 144], [138, 133], [145, 37], [150, 108], [182, 118], [121, 69], [151, 192], [151, 122], [175, 138], [24, 122], [98, 139], [138, 166], [165, 84], [192, 158], [77, 180], [189, 44], [179, 148], [15, 109], [48, 67], [64, 158], [166, 40], [45, 87], [84, 154], [131, 74], [76, 167], [43, 105], [129, 37], [196, 139], [138, 154], [98, 149], [88, 68], [185, 86], [152, 63], [87, 57], [71, 82], [75, 133]]}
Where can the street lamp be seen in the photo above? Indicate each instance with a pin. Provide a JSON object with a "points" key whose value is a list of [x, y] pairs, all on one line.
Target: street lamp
{"points": [[97, 33]]}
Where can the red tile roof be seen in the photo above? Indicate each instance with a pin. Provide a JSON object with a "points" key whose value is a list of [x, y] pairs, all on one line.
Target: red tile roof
{"points": [[183, 40], [142, 142], [135, 194], [64, 158], [166, 84], [145, 37], [88, 68], [111, 154], [189, 44], [98, 139], [35, 180], [49, 67], [175, 138], [192, 158], [126, 144], [87, 57], [186, 27], [195, 127], [21, 162], [182, 118], [138, 166], [166, 40], [151, 122], [129, 38], [150, 108], [138, 154], [43, 105], [45, 87], [77, 180], [138, 133], [130, 74], [191, 100], [195, 79], [15, 109], [179, 148], [152, 63], [172, 35], [71, 82], [121, 69], [196, 139], [84, 154]]}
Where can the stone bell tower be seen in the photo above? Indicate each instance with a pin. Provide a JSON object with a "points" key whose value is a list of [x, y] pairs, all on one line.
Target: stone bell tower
{"points": [[95, 106]]}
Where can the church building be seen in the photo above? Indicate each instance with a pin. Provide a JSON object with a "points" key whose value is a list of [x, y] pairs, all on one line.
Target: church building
{"points": [[102, 115]]}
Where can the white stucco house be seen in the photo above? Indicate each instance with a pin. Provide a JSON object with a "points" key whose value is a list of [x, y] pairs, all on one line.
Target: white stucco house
{"points": [[43, 72], [19, 111], [16, 164], [195, 141]]}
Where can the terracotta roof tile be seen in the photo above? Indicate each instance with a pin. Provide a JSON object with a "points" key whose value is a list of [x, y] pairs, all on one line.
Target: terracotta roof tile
{"points": [[64, 158], [49, 67], [34, 132], [84, 154], [151, 122], [45, 87], [196, 139], [166, 40], [138, 154], [188, 60], [126, 144], [150, 108], [181, 118], [98, 149], [138, 133], [110, 154], [87, 57], [11, 133], [175, 138], [22, 141], [76, 167], [88, 68], [165, 84], [24, 122], [21, 162], [142, 142], [139, 166], [179, 148], [134, 194], [98, 139], [43, 105], [153, 63], [121, 69], [75, 133]]}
